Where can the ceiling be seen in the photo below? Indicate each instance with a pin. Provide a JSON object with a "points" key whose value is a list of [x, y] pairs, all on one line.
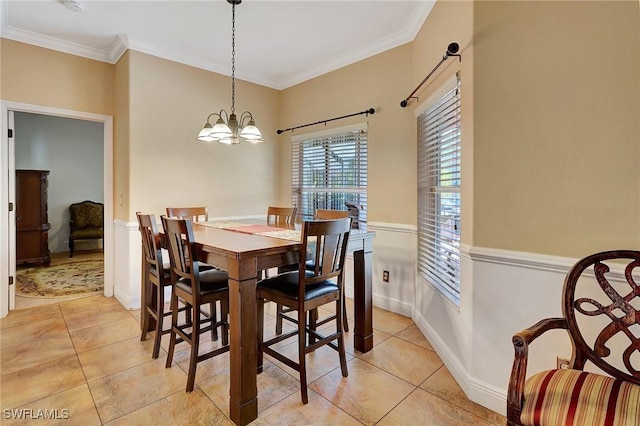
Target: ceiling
{"points": [[279, 43]]}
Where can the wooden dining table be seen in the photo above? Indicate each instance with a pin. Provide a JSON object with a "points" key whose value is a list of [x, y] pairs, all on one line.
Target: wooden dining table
{"points": [[243, 255]]}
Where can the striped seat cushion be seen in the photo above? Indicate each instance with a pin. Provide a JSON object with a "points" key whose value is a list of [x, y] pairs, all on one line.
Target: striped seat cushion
{"points": [[574, 397]]}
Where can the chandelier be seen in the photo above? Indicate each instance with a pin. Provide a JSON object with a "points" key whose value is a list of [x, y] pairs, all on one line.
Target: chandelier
{"points": [[227, 128]]}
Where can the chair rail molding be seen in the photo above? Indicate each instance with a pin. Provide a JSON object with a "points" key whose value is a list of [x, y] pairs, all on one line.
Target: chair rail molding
{"points": [[518, 258]]}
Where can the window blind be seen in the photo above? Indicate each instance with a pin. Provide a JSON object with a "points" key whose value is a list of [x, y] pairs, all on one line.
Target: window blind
{"points": [[439, 193], [329, 171]]}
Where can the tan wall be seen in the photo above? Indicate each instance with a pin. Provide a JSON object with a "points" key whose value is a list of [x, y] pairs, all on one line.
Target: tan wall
{"points": [[38, 76], [556, 118], [168, 166], [379, 82]]}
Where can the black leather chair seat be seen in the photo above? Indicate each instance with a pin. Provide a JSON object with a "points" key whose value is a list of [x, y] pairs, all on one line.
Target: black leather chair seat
{"points": [[211, 281], [286, 284]]}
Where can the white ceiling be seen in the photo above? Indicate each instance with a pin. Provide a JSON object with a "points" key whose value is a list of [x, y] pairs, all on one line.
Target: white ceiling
{"points": [[279, 43]]}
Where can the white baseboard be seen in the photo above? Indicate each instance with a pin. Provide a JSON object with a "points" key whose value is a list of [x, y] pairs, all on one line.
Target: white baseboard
{"points": [[393, 305], [481, 392]]}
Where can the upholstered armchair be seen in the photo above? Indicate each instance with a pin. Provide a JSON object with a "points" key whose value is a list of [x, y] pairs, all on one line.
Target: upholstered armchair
{"points": [[86, 222], [601, 315]]}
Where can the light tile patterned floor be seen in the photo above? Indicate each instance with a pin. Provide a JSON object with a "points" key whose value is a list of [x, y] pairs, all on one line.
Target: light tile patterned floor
{"points": [[57, 357]]}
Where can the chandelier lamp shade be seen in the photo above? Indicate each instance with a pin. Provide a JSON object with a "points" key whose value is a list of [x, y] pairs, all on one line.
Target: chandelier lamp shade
{"points": [[228, 129]]}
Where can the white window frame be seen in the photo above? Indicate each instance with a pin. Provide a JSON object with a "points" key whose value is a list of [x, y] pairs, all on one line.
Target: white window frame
{"points": [[332, 187], [439, 172]]}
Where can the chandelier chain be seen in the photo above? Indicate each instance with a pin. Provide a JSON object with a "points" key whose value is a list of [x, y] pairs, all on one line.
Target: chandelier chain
{"points": [[233, 58], [228, 128]]}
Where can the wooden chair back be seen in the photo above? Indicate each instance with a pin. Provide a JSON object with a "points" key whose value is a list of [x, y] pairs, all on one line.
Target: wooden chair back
{"points": [[601, 313], [151, 247], [196, 214], [283, 217], [320, 214], [325, 242], [179, 235], [87, 215]]}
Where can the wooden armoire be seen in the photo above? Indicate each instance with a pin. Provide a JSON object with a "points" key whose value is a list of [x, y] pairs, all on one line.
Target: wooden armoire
{"points": [[32, 223]]}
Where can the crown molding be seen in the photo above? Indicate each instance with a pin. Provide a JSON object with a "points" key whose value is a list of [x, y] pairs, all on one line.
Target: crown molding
{"points": [[118, 47], [122, 42], [53, 43], [407, 35]]}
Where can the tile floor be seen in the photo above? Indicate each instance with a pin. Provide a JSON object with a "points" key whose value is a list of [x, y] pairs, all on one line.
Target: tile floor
{"points": [[94, 370]]}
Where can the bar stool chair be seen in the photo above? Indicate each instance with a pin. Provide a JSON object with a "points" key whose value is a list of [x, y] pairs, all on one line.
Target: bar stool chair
{"points": [[325, 214], [283, 217], [306, 290], [156, 275], [319, 214], [195, 214], [196, 287]]}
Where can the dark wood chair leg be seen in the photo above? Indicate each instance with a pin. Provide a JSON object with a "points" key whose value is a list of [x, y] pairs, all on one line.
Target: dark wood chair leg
{"points": [[278, 319], [313, 319], [341, 351], [145, 312], [71, 247], [345, 321], [193, 359], [260, 332], [224, 317], [302, 366], [159, 320], [174, 324], [214, 318]]}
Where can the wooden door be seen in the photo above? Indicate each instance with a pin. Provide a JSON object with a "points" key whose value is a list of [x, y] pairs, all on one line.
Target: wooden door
{"points": [[32, 225]]}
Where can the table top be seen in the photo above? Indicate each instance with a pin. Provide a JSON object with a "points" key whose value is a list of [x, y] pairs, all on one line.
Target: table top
{"points": [[238, 243], [251, 237]]}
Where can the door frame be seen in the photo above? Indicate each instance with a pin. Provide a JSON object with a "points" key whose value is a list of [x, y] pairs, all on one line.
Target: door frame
{"points": [[7, 194]]}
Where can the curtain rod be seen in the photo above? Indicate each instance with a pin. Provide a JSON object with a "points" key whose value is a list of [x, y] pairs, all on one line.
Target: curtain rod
{"points": [[452, 50], [367, 112]]}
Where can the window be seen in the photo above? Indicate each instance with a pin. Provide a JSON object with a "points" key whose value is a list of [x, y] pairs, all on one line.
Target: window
{"points": [[439, 193], [330, 169]]}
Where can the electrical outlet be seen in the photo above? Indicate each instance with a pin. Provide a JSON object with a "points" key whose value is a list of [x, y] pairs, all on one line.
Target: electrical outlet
{"points": [[385, 276], [562, 363]]}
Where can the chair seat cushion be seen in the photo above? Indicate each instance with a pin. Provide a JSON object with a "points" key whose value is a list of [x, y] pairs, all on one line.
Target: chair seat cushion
{"points": [[286, 284], [574, 397], [211, 281], [86, 234]]}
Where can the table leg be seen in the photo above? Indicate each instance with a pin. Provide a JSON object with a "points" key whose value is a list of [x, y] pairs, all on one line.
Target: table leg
{"points": [[243, 392], [363, 298]]}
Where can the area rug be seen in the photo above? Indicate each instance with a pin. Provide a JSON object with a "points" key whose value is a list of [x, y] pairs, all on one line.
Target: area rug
{"points": [[79, 277]]}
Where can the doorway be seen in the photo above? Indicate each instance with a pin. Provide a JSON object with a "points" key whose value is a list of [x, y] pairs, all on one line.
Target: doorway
{"points": [[7, 194]]}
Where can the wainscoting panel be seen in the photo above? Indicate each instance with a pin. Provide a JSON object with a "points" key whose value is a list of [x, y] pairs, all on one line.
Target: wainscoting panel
{"points": [[128, 258]]}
